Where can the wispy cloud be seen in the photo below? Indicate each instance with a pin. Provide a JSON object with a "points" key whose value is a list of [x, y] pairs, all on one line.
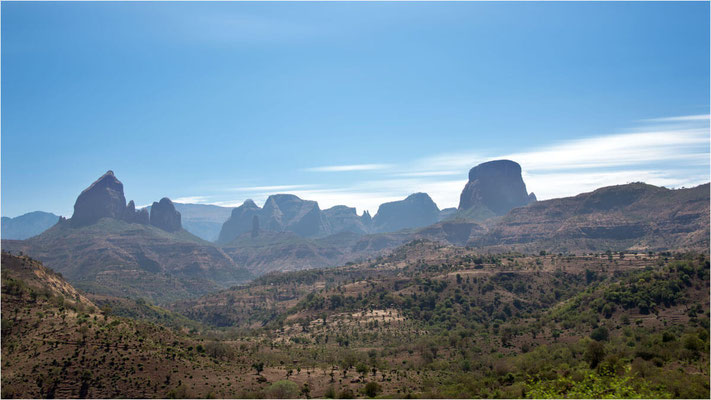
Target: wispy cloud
{"points": [[427, 173], [686, 145], [562, 184], [672, 152], [191, 199], [347, 168], [275, 188], [685, 118]]}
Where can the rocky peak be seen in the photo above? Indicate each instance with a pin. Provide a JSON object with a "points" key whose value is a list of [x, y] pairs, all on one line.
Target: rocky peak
{"points": [[415, 211], [241, 220], [165, 216], [495, 187], [103, 198]]}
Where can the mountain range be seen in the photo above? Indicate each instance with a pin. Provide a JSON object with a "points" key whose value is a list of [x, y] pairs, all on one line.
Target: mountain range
{"points": [[108, 247], [27, 225]]}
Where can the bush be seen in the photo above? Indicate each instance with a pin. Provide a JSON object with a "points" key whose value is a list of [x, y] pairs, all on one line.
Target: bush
{"points": [[372, 389], [283, 390], [600, 334]]}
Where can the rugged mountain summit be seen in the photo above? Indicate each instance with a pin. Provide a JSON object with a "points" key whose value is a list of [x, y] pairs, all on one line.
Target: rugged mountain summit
{"points": [[164, 215], [289, 213], [110, 248], [103, 198], [494, 188], [415, 211], [286, 212], [239, 222]]}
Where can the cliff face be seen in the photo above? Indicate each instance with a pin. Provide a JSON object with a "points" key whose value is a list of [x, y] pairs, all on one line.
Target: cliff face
{"points": [[103, 198], [494, 187]]}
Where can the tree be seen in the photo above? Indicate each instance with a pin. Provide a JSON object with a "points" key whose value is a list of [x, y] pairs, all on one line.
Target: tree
{"points": [[600, 334], [362, 369], [594, 353], [259, 367]]}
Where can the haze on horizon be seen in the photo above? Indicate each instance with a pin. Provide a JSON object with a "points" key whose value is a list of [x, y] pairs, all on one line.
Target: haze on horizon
{"points": [[348, 103]]}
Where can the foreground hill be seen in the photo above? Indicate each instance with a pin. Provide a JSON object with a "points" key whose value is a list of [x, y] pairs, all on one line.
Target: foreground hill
{"points": [[440, 321], [27, 225], [426, 321], [57, 344]]}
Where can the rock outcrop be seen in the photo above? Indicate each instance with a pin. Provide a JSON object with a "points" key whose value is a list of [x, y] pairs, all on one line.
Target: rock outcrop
{"points": [[165, 216], [103, 198], [494, 188], [417, 210], [135, 216]]}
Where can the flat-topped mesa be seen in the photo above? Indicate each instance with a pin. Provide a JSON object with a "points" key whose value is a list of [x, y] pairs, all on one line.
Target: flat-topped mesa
{"points": [[496, 186], [103, 198], [165, 216]]}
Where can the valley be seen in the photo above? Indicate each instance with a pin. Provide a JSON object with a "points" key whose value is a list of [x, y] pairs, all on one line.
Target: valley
{"points": [[425, 321]]}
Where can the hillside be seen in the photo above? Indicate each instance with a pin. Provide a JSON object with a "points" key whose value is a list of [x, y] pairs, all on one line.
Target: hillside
{"points": [[286, 251], [626, 217], [441, 321], [635, 216], [113, 257], [428, 320], [57, 346]]}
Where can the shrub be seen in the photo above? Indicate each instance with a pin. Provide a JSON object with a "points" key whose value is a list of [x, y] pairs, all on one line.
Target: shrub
{"points": [[372, 389], [283, 390], [600, 334]]}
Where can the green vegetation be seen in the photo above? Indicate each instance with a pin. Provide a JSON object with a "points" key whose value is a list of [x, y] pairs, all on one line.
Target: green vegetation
{"points": [[426, 321]]}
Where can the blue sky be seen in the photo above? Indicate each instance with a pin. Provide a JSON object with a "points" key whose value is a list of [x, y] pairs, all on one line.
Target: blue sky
{"points": [[347, 103]]}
